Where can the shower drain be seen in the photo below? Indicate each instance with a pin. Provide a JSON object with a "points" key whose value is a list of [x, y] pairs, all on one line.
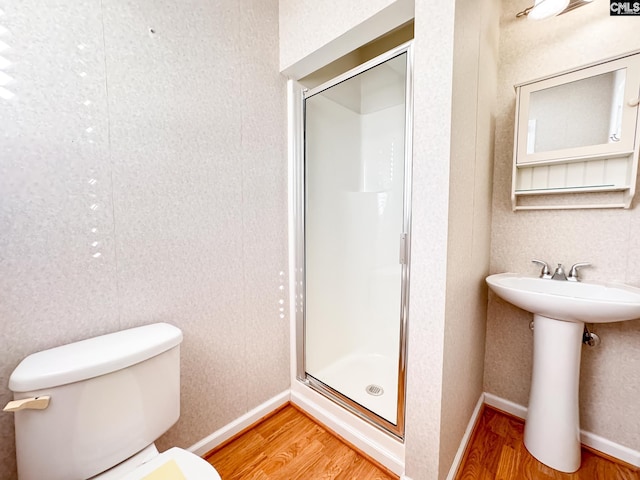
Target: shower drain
{"points": [[375, 390]]}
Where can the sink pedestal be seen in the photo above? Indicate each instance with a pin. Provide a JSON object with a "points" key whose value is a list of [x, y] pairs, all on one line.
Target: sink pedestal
{"points": [[560, 308], [552, 428]]}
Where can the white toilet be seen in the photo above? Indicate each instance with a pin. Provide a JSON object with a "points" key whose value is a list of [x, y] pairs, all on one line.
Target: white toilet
{"points": [[92, 409]]}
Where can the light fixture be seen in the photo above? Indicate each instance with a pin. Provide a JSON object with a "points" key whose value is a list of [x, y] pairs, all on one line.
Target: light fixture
{"points": [[547, 8], [573, 4], [542, 9]]}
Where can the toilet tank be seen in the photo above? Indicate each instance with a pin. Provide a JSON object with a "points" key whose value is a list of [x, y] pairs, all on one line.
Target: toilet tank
{"points": [[111, 396]]}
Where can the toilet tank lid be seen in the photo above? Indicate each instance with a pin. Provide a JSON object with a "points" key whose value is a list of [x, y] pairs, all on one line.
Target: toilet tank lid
{"points": [[93, 357]]}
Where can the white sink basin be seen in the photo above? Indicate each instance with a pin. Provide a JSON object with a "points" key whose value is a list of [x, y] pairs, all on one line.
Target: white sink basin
{"points": [[560, 309], [569, 301]]}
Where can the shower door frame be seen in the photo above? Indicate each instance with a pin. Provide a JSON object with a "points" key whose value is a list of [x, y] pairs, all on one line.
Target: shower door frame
{"points": [[298, 201]]}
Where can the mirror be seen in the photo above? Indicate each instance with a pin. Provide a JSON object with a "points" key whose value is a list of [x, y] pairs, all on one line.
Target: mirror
{"points": [[577, 137], [577, 114]]}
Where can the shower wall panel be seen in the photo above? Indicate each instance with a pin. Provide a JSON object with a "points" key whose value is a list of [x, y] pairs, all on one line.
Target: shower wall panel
{"points": [[382, 163], [334, 127], [363, 205]]}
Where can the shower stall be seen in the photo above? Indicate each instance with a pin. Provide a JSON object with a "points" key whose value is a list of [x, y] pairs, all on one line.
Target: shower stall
{"points": [[353, 228]]}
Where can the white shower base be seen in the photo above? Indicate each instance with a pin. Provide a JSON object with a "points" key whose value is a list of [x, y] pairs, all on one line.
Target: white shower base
{"points": [[352, 374]]}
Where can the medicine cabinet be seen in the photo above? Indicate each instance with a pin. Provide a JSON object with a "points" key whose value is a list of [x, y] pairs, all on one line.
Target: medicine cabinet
{"points": [[577, 138]]}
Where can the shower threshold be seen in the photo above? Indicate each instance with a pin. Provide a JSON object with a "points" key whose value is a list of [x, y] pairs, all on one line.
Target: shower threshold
{"points": [[370, 380]]}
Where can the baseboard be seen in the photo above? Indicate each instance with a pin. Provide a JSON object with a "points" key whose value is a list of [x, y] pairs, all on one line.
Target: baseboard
{"points": [[466, 438], [386, 450], [225, 433], [366, 438], [505, 405], [601, 444], [379, 446]]}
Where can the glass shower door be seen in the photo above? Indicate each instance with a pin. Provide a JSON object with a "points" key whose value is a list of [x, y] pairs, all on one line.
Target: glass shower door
{"points": [[355, 237]]}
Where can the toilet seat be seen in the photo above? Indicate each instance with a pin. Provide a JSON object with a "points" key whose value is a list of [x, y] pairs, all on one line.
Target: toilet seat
{"points": [[191, 466]]}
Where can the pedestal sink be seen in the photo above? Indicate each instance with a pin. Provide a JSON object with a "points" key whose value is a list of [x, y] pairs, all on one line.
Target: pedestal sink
{"points": [[560, 308]]}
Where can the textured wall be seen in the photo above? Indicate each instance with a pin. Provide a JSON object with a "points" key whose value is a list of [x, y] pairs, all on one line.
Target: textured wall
{"points": [[314, 34], [306, 26], [609, 239], [471, 169], [455, 80], [143, 179], [434, 26]]}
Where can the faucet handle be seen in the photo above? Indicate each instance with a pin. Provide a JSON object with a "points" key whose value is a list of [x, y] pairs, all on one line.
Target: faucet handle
{"points": [[545, 272], [573, 273]]}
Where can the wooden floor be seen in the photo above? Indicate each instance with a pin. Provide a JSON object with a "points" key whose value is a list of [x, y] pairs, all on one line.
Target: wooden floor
{"points": [[497, 452], [289, 446]]}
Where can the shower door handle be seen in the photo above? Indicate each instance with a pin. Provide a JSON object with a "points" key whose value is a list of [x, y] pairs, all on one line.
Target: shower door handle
{"points": [[403, 248]]}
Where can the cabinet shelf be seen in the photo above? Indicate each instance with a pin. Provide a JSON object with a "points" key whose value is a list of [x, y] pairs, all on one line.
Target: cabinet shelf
{"points": [[578, 133], [586, 188], [566, 160]]}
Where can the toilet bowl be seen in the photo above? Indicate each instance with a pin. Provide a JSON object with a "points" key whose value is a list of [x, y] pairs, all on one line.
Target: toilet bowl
{"points": [[169, 463], [172, 464], [93, 409]]}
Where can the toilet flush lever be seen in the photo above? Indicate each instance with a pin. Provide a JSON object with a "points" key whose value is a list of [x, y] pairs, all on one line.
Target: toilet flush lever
{"points": [[33, 403]]}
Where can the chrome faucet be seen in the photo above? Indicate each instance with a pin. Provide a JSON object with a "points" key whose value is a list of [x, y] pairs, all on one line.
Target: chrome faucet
{"points": [[559, 273]]}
